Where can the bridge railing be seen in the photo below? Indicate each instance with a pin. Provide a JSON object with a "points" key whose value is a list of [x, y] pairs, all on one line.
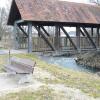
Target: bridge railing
{"points": [[40, 45]]}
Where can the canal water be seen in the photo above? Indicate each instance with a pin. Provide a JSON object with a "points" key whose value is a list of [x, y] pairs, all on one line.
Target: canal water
{"points": [[67, 62]]}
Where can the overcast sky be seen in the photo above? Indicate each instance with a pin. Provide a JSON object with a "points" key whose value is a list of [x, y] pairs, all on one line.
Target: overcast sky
{"points": [[4, 2]]}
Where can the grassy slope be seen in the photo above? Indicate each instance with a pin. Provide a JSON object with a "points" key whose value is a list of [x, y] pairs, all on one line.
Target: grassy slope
{"points": [[3, 60], [44, 93], [88, 83]]}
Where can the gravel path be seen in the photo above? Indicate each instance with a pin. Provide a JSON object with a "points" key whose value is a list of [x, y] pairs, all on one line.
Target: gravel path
{"points": [[5, 51]]}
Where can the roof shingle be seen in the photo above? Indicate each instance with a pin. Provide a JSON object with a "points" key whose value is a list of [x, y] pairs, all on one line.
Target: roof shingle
{"points": [[57, 11]]}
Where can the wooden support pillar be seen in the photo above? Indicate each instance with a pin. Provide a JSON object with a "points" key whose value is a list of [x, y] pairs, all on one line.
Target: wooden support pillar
{"points": [[39, 28], [30, 43], [78, 37], [57, 38], [98, 37], [92, 30], [16, 43]]}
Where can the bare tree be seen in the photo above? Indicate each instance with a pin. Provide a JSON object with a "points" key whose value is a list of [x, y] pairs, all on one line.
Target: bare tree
{"points": [[5, 30], [2, 21]]}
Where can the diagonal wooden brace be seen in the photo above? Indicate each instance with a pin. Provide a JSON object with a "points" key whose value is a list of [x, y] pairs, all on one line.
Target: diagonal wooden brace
{"points": [[45, 30], [46, 40], [68, 36], [87, 34]]}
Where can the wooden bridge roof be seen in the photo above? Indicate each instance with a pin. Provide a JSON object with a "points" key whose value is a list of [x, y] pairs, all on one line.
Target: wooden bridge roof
{"points": [[54, 11]]}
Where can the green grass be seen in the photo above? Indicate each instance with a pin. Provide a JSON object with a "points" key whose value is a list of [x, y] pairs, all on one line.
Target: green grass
{"points": [[86, 82], [3, 60], [43, 93]]}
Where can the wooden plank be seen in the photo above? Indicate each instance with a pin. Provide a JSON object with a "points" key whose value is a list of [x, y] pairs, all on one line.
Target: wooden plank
{"points": [[30, 42], [57, 37], [78, 37], [92, 30], [68, 36], [98, 36], [23, 31], [16, 43], [45, 31], [45, 38], [20, 21], [92, 42], [39, 35], [84, 37], [82, 32], [20, 66]]}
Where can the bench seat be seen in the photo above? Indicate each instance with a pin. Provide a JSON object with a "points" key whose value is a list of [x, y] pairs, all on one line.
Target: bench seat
{"points": [[20, 66], [11, 69]]}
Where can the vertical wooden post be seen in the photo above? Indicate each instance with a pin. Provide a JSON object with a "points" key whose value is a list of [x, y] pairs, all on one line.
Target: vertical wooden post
{"points": [[92, 30], [98, 37], [39, 31], [16, 44], [57, 37], [30, 42], [39, 38], [78, 37]]}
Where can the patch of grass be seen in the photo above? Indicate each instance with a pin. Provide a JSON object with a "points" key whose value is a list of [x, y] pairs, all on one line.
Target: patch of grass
{"points": [[88, 83], [3, 60], [43, 93]]}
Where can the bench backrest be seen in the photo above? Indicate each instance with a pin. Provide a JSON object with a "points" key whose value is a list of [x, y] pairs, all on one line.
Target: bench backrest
{"points": [[23, 64]]}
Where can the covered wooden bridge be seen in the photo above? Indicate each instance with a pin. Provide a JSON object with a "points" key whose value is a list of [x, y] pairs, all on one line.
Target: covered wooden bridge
{"points": [[34, 16]]}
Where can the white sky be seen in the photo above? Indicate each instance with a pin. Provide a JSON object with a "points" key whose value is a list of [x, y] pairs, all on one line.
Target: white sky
{"points": [[2, 3]]}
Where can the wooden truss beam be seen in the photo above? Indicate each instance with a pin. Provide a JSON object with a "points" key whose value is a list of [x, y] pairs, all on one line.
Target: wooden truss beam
{"points": [[19, 21], [39, 35], [57, 37], [82, 32], [16, 38], [78, 37], [23, 31], [92, 30], [30, 42], [68, 36], [92, 42], [45, 38], [98, 36], [45, 30]]}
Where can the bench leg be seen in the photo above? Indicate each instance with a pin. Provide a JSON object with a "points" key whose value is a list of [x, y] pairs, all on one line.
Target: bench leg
{"points": [[25, 78]]}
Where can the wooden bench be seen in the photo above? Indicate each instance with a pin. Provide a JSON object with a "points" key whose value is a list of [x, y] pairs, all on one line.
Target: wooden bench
{"points": [[20, 66]]}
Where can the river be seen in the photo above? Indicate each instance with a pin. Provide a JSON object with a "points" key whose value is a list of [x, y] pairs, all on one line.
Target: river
{"points": [[67, 62]]}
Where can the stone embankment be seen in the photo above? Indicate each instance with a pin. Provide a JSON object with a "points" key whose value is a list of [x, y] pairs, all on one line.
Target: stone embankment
{"points": [[90, 59]]}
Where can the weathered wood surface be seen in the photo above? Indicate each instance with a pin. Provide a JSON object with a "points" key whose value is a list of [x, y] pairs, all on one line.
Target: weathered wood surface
{"points": [[20, 66]]}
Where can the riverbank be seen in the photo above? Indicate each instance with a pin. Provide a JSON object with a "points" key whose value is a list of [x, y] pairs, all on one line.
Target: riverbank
{"points": [[91, 59], [56, 83]]}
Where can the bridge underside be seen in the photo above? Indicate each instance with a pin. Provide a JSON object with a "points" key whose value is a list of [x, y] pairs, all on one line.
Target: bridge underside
{"points": [[86, 39]]}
